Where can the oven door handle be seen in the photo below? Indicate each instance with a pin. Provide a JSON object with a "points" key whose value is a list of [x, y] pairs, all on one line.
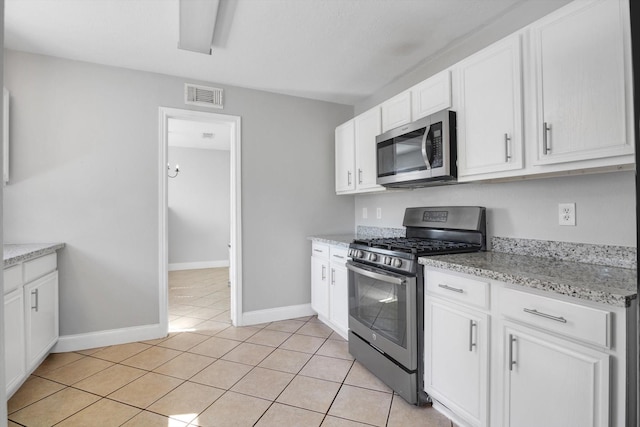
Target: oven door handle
{"points": [[397, 280]]}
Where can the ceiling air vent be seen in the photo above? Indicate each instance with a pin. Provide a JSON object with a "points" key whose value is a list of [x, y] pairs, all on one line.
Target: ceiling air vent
{"points": [[203, 96]]}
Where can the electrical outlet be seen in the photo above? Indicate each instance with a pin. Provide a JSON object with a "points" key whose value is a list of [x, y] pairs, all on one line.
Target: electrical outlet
{"points": [[567, 214], [379, 213], [364, 213]]}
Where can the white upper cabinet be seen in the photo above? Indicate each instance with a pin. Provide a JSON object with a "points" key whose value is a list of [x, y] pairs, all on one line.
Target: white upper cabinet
{"points": [[396, 111], [345, 157], [367, 127], [431, 96], [583, 83], [490, 111]]}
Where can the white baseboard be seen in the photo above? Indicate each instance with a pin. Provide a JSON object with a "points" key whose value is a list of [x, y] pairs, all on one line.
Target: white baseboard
{"points": [[274, 314], [110, 337], [198, 265]]}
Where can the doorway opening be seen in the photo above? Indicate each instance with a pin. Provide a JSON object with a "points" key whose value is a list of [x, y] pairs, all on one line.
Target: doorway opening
{"points": [[168, 118]]}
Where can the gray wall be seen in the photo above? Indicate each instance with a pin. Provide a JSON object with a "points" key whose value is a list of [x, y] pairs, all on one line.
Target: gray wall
{"points": [[85, 165], [199, 205], [605, 207]]}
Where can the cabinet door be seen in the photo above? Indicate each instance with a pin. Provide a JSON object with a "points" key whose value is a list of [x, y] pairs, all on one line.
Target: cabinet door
{"points": [[345, 157], [490, 115], [456, 359], [553, 383], [583, 82], [367, 127], [339, 298], [15, 368], [431, 96], [320, 286], [41, 317], [396, 111]]}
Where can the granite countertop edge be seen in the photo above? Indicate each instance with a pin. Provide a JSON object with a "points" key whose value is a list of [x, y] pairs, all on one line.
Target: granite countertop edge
{"points": [[334, 239], [17, 253], [552, 277]]}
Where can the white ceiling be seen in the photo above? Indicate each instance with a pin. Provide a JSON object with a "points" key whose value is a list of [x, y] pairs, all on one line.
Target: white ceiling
{"points": [[334, 50]]}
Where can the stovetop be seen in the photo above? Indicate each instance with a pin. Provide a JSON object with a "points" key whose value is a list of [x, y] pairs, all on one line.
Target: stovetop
{"points": [[418, 246], [437, 230]]}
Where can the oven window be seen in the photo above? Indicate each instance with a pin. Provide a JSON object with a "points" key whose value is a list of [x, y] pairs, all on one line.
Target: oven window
{"points": [[381, 306]]}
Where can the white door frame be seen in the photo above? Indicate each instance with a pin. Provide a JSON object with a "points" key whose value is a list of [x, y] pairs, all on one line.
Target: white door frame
{"points": [[235, 253]]}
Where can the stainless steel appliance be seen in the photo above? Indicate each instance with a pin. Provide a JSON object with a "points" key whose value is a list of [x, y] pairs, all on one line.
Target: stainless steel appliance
{"points": [[418, 154], [386, 291]]}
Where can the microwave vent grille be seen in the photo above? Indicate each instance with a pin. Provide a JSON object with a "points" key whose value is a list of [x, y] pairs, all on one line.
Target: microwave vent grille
{"points": [[203, 96]]}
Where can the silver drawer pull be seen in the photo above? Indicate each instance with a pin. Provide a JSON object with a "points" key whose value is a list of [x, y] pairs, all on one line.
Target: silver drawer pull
{"points": [[545, 315], [318, 250], [35, 307], [449, 288], [339, 256]]}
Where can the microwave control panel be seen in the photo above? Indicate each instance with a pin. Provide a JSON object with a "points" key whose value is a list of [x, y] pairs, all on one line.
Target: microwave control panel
{"points": [[436, 145]]}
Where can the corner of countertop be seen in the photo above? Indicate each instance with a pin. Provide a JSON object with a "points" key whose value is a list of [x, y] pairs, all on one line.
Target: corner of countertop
{"points": [[16, 253]]}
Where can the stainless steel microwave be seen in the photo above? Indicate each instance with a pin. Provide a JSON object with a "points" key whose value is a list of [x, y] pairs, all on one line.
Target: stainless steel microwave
{"points": [[419, 154]]}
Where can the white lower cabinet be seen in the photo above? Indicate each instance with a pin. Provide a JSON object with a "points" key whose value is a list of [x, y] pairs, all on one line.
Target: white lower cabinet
{"points": [[15, 361], [456, 363], [339, 293], [329, 286], [320, 285], [30, 317], [41, 316], [553, 382], [502, 355]]}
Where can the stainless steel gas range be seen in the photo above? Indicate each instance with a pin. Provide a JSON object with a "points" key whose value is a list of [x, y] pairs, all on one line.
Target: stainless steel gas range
{"points": [[386, 291]]}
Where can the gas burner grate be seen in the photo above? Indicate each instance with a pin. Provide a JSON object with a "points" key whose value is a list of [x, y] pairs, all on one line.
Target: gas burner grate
{"points": [[416, 245]]}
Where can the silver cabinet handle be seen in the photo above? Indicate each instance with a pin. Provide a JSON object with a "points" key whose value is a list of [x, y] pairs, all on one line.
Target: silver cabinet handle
{"points": [[545, 142], [512, 362], [318, 250], [348, 177], [35, 307], [449, 288], [324, 272], [545, 315], [359, 176], [339, 256], [507, 154], [333, 276], [472, 325]]}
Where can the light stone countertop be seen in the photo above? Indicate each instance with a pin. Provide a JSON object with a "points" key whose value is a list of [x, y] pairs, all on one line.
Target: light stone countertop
{"points": [[334, 239], [604, 284], [16, 253]]}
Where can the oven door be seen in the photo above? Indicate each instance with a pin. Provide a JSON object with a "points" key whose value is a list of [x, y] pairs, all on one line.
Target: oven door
{"points": [[382, 311]]}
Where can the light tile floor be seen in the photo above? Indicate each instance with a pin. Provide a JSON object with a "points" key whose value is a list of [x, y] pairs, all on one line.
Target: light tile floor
{"points": [[209, 373]]}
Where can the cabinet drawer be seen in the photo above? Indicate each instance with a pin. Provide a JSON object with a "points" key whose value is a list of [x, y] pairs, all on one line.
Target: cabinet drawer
{"points": [[39, 267], [320, 249], [338, 254], [462, 289], [587, 324], [12, 278]]}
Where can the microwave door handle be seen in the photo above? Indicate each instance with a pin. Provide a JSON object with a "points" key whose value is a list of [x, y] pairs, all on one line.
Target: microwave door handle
{"points": [[425, 155]]}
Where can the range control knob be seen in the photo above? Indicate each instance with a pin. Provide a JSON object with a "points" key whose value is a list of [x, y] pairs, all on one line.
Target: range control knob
{"points": [[350, 252], [373, 257], [359, 254], [387, 260], [397, 263]]}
